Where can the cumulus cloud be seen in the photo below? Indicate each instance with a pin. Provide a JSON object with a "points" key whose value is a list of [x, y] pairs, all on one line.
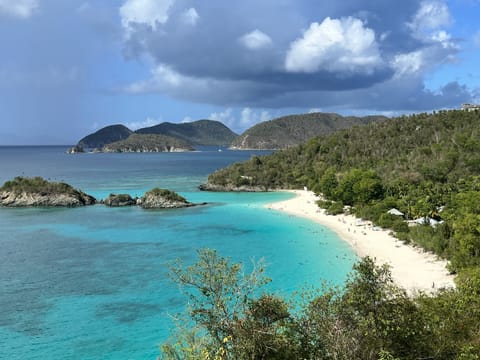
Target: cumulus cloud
{"points": [[348, 55], [149, 12], [19, 8], [250, 117], [256, 40], [335, 45], [431, 15]]}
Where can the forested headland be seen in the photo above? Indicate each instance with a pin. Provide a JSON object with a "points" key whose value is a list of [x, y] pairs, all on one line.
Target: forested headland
{"points": [[426, 166]]}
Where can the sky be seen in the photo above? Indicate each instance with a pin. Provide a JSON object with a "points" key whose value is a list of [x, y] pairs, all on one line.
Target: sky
{"points": [[70, 67]]}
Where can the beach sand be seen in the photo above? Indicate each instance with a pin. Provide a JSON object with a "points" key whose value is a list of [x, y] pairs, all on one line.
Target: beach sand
{"points": [[411, 267]]}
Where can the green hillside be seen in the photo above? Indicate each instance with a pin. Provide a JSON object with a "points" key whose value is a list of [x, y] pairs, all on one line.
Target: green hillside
{"points": [[201, 132], [105, 135], [425, 165], [292, 130], [148, 143]]}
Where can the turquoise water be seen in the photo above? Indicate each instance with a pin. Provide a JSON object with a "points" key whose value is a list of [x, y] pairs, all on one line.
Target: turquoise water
{"points": [[91, 283]]}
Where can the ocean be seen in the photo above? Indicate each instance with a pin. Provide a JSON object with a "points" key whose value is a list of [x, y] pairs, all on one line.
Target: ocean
{"points": [[92, 282]]}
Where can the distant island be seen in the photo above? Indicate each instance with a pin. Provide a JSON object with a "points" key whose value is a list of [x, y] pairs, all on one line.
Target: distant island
{"points": [[163, 137], [276, 134], [38, 192]]}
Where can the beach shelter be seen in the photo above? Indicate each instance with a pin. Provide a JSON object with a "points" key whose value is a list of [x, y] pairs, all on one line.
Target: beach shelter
{"points": [[394, 211]]}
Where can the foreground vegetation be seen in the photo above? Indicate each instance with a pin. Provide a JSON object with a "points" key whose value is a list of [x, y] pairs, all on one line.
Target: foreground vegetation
{"points": [[426, 165], [229, 317]]}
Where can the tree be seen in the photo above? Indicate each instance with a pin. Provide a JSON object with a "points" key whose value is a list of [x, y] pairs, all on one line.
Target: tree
{"points": [[229, 321]]}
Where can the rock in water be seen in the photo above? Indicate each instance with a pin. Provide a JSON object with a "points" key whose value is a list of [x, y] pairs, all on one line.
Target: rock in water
{"points": [[162, 199], [117, 200], [22, 192], [77, 149]]}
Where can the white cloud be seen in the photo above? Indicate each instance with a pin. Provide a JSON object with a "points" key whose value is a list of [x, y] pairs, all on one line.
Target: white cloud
{"points": [[19, 8], [149, 121], [428, 22], [190, 17], [335, 45], [225, 117], [246, 119], [149, 12], [163, 77], [408, 64], [255, 40], [432, 15], [314, 110]]}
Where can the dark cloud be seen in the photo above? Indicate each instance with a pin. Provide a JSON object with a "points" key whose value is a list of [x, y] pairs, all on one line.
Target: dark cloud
{"points": [[208, 61]]}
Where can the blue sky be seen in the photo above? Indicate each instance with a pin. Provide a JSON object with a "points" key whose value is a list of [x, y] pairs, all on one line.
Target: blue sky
{"points": [[68, 68]]}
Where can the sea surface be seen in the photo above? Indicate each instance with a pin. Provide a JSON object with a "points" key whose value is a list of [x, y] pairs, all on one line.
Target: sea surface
{"points": [[92, 282]]}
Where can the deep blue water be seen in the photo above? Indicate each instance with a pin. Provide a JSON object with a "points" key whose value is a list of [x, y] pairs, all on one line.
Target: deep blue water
{"points": [[91, 283]]}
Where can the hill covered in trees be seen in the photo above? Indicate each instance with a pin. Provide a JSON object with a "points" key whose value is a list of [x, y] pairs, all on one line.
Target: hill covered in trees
{"points": [[201, 132], [425, 165], [148, 143], [105, 136], [292, 130]]}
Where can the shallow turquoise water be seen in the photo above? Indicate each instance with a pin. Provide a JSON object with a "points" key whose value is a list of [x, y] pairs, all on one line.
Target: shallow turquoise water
{"points": [[91, 283]]}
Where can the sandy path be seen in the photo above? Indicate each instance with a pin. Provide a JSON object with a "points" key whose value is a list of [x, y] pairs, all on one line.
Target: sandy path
{"points": [[411, 267]]}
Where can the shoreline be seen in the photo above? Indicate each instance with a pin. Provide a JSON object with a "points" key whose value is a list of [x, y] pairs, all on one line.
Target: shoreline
{"points": [[412, 268]]}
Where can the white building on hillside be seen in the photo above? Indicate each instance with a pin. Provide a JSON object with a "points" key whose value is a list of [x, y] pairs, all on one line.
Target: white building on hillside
{"points": [[470, 107]]}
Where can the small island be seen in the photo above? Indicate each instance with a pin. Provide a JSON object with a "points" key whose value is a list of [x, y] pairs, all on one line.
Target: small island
{"points": [[24, 191], [154, 199], [38, 192], [163, 199], [119, 200]]}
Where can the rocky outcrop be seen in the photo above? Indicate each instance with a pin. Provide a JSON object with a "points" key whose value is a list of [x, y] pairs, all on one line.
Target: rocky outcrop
{"points": [[118, 200], [23, 192], [162, 199], [231, 188], [77, 149]]}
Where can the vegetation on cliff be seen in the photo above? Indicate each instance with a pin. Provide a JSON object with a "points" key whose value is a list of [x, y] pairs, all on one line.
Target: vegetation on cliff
{"points": [[425, 165], [148, 143], [162, 198], [23, 191], [288, 131], [370, 318]]}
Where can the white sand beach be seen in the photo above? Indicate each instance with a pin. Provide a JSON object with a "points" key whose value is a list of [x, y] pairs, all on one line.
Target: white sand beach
{"points": [[411, 267]]}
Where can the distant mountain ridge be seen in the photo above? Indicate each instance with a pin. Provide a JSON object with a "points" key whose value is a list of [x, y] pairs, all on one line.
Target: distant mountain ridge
{"points": [[276, 134], [292, 130], [200, 132]]}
